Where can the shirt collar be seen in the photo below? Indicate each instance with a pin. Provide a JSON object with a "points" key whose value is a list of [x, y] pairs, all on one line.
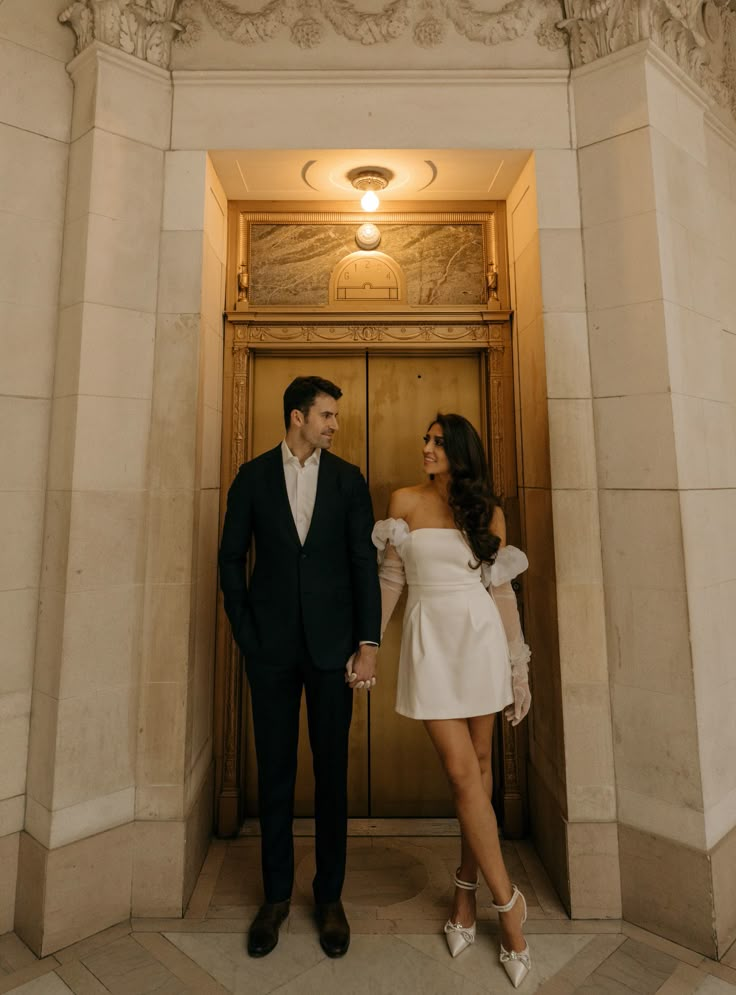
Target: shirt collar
{"points": [[288, 457]]}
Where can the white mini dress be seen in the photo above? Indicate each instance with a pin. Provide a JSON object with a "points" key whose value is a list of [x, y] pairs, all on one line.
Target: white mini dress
{"points": [[454, 660]]}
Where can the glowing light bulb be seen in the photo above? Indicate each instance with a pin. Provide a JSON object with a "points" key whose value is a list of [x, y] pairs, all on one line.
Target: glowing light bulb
{"points": [[369, 201]]}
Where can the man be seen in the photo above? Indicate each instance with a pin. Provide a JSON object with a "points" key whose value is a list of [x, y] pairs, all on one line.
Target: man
{"points": [[313, 606]]}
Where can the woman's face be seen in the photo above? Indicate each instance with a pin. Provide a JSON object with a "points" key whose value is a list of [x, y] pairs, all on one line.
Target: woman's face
{"points": [[435, 457]]}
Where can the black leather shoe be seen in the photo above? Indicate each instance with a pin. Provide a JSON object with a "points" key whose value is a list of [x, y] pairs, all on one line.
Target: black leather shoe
{"points": [[263, 934], [334, 932]]}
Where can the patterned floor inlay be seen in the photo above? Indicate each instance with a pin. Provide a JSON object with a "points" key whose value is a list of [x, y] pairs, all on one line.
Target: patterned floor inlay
{"points": [[397, 894]]}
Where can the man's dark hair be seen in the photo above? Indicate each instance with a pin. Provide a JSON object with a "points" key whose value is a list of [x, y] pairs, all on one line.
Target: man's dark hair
{"points": [[301, 393]]}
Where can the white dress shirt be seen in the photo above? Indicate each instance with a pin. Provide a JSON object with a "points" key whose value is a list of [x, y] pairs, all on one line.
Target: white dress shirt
{"points": [[301, 487]]}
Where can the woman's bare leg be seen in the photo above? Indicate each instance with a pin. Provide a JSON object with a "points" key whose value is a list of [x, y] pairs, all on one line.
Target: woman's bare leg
{"points": [[454, 744], [481, 734]]}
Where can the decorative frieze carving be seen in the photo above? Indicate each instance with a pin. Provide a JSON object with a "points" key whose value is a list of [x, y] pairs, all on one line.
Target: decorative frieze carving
{"points": [[424, 21], [698, 35], [143, 28], [351, 333]]}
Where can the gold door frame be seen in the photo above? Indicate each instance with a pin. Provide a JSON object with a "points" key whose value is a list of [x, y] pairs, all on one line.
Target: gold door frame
{"points": [[492, 339], [484, 331]]}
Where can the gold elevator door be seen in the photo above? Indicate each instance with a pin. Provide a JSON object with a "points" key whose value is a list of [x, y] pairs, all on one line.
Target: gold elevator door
{"points": [[388, 401]]}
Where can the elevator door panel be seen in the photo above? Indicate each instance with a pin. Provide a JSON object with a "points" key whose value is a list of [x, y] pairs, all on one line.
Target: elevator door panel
{"points": [[271, 375], [404, 396]]}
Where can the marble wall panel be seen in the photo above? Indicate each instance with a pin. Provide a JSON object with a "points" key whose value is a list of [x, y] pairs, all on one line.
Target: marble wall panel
{"points": [[291, 264]]}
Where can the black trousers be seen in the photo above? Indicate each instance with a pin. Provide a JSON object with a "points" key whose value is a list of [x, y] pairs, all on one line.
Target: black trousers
{"points": [[276, 693]]}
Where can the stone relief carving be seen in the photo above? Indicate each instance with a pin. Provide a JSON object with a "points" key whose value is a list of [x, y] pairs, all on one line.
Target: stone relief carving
{"points": [[425, 20], [143, 28], [700, 35]]}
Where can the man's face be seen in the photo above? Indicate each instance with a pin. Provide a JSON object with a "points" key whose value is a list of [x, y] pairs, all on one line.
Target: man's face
{"points": [[320, 425]]}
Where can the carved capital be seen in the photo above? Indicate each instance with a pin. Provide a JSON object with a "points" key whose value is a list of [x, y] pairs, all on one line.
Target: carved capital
{"points": [[699, 35], [143, 28]]}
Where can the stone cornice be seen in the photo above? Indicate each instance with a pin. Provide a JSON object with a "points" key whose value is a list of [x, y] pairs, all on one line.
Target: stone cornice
{"points": [[98, 52], [378, 77]]}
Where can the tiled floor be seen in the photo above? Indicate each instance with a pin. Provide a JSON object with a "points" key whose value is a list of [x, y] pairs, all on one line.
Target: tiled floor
{"points": [[397, 894]]}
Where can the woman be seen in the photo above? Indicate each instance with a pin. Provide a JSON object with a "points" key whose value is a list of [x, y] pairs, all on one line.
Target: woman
{"points": [[463, 656]]}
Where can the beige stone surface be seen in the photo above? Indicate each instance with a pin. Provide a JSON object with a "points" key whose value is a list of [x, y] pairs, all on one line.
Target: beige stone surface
{"points": [[576, 518], [29, 334], [161, 737], [30, 894], [36, 27], [595, 884], [105, 350], [8, 874], [572, 445], [610, 98], [34, 174], [15, 710], [567, 355], [208, 115], [582, 632], [723, 867], [43, 109], [18, 610], [110, 436], [561, 263], [76, 822], [649, 639], [130, 99], [30, 259], [642, 539], [616, 177], [636, 445], [656, 747], [591, 785], [11, 815], [166, 632], [675, 111], [42, 748], [105, 539], [666, 888], [170, 536], [95, 745], [618, 335], [184, 182], [87, 888], [708, 540], [558, 188], [101, 640], [180, 279], [158, 869], [622, 262]]}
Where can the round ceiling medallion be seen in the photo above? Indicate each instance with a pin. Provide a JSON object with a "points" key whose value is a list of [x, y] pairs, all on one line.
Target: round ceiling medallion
{"points": [[368, 236]]}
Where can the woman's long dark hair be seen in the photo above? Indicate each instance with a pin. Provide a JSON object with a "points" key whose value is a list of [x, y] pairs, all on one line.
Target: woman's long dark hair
{"points": [[470, 493]]}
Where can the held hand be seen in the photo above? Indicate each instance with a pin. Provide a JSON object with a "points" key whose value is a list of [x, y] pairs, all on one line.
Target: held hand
{"points": [[360, 670], [522, 700]]}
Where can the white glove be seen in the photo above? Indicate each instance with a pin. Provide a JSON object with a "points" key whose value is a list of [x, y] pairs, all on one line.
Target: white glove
{"points": [[392, 579], [519, 652]]}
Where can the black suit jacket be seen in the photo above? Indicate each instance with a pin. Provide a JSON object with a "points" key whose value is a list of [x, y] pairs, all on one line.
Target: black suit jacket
{"points": [[329, 586]]}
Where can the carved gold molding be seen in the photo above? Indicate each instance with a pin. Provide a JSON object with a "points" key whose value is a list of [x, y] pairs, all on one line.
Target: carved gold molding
{"points": [[248, 335]]}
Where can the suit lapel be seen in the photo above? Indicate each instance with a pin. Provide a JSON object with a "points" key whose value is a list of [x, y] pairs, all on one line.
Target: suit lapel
{"points": [[325, 482], [277, 489]]}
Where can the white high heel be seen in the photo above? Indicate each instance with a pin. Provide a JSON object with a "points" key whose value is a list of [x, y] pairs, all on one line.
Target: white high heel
{"points": [[516, 964], [460, 937]]}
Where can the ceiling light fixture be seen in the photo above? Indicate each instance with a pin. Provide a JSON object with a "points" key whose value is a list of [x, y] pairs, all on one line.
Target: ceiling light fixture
{"points": [[369, 179]]}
